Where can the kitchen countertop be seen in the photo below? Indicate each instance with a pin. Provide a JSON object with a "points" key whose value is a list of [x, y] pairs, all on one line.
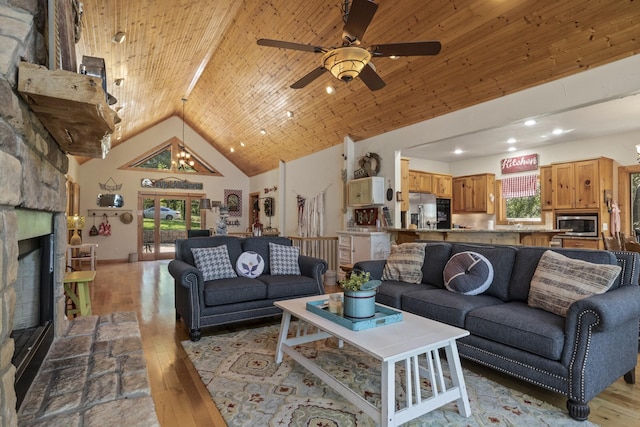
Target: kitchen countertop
{"points": [[479, 230]]}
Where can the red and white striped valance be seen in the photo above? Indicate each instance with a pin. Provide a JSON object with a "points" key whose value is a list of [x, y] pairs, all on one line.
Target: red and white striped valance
{"points": [[519, 186]]}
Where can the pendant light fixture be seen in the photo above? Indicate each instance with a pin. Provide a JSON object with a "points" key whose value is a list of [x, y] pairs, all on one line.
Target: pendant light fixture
{"points": [[183, 160]]}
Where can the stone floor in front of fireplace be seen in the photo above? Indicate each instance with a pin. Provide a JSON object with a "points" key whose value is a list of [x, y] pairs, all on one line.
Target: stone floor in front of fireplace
{"points": [[94, 375]]}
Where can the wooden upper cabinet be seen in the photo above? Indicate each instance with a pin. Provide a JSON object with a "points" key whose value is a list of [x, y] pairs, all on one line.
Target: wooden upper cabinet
{"points": [[546, 188], [404, 184], [474, 193], [580, 185], [442, 185], [420, 182]]}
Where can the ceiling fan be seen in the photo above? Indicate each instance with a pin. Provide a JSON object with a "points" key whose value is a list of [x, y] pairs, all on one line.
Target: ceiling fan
{"points": [[349, 61]]}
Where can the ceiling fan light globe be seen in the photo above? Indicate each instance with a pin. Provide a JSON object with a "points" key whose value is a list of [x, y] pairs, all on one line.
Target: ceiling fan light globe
{"points": [[346, 63]]}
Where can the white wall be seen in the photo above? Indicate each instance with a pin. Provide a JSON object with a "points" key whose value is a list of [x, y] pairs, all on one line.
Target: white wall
{"points": [[123, 239]]}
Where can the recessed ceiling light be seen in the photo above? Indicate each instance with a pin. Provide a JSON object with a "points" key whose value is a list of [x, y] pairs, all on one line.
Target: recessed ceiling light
{"points": [[530, 122], [458, 151], [394, 57], [241, 144], [119, 37], [232, 150], [263, 131], [289, 113], [557, 132], [512, 149], [118, 82], [330, 90], [511, 141]]}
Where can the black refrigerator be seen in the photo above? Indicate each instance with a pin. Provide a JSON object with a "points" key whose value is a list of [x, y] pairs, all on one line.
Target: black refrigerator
{"points": [[443, 212]]}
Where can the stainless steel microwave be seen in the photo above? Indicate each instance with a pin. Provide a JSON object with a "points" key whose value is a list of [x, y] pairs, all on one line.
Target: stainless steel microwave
{"points": [[580, 225]]}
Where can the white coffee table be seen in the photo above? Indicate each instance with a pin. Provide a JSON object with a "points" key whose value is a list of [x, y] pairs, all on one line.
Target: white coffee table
{"points": [[405, 342]]}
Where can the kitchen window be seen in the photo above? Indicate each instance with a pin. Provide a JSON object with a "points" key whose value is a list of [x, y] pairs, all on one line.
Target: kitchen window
{"points": [[518, 200]]}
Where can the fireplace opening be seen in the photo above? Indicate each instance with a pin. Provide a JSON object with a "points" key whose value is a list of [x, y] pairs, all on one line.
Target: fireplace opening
{"points": [[33, 319]]}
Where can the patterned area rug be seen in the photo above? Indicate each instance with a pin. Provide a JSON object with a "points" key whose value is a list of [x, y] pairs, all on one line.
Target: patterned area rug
{"points": [[250, 389]]}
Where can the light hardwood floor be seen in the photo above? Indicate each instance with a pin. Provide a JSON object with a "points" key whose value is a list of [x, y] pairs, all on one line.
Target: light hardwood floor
{"points": [[180, 397]]}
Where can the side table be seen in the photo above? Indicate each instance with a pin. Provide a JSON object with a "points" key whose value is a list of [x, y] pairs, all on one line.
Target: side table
{"points": [[76, 286]]}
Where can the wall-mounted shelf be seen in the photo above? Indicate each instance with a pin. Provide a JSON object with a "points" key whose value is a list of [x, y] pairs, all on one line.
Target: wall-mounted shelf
{"points": [[108, 212], [72, 107]]}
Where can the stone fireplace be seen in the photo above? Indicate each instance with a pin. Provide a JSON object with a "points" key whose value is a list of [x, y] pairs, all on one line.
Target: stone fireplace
{"points": [[32, 182]]}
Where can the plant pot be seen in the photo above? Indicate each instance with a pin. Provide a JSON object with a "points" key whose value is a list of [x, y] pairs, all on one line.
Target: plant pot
{"points": [[360, 304]]}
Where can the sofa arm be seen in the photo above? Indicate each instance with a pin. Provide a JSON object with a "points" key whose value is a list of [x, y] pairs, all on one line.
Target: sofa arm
{"points": [[181, 272], [611, 309], [314, 268], [374, 268]]}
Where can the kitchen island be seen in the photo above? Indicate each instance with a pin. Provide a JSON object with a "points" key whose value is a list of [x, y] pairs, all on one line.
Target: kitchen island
{"points": [[502, 236]]}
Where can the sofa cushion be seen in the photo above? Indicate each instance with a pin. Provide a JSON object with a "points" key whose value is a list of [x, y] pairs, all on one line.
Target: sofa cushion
{"points": [[445, 306], [436, 255], [214, 263], [517, 325], [559, 281], [405, 263], [284, 259], [502, 258], [261, 246], [390, 291], [289, 286], [468, 273], [250, 264], [184, 246], [230, 291]]}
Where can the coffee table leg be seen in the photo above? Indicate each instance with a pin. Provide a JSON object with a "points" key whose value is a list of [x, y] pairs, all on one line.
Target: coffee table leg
{"points": [[284, 330], [388, 390], [457, 378]]}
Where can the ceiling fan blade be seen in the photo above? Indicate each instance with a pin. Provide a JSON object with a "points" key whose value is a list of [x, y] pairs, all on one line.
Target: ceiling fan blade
{"points": [[371, 78], [308, 78], [406, 49], [290, 45], [360, 15]]}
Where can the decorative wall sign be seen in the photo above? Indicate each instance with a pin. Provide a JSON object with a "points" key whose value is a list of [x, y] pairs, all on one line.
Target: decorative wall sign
{"points": [[172, 183], [366, 216], [233, 200], [527, 162]]}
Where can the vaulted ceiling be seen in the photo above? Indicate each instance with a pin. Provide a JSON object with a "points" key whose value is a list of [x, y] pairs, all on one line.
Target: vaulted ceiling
{"points": [[206, 52]]}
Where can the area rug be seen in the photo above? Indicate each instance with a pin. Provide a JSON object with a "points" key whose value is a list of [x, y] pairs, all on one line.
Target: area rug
{"points": [[250, 389]]}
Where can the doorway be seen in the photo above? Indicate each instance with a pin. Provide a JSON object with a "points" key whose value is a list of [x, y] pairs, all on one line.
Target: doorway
{"points": [[163, 218]]}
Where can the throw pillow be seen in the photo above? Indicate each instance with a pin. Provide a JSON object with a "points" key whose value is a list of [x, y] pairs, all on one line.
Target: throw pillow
{"points": [[214, 263], [468, 273], [250, 264], [405, 263], [284, 259], [559, 281]]}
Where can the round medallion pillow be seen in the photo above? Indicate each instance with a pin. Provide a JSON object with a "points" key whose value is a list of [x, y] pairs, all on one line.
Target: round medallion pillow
{"points": [[468, 273], [250, 264]]}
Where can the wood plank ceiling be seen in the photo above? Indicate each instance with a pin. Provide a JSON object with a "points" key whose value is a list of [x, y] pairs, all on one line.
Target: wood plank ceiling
{"points": [[490, 48]]}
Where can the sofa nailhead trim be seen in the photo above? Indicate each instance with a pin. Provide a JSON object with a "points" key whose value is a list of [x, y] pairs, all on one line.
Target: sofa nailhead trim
{"points": [[586, 354]]}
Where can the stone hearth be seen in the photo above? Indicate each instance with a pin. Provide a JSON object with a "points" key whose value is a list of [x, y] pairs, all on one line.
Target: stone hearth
{"points": [[94, 375]]}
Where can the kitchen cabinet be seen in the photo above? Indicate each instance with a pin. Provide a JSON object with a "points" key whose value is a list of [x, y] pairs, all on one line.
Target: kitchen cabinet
{"points": [[366, 191], [546, 188], [581, 243], [404, 184], [580, 185], [474, 194], [442, 185], [420, 182], [362, 246]]}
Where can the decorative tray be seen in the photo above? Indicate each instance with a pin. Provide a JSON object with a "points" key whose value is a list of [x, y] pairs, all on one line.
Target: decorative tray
{"points": [[383, 316]]}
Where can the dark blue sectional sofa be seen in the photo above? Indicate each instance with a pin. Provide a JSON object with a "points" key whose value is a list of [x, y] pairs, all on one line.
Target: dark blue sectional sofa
{"points": [[577, 356]]}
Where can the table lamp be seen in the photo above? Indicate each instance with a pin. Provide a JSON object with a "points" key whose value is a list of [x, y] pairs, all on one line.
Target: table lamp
{"points": [[75, 223]]}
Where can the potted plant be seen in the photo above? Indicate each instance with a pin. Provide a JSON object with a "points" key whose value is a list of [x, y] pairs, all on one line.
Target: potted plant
{"points": [[359, 295]]}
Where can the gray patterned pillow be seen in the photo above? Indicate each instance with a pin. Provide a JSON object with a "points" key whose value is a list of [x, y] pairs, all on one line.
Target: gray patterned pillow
{"points": [[405, 263], [559, 281], [284, 259], [468, 273], [214, 263]]}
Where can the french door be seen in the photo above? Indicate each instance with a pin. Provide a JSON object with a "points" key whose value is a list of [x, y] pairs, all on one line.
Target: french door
{"points": [[163, 218]]}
